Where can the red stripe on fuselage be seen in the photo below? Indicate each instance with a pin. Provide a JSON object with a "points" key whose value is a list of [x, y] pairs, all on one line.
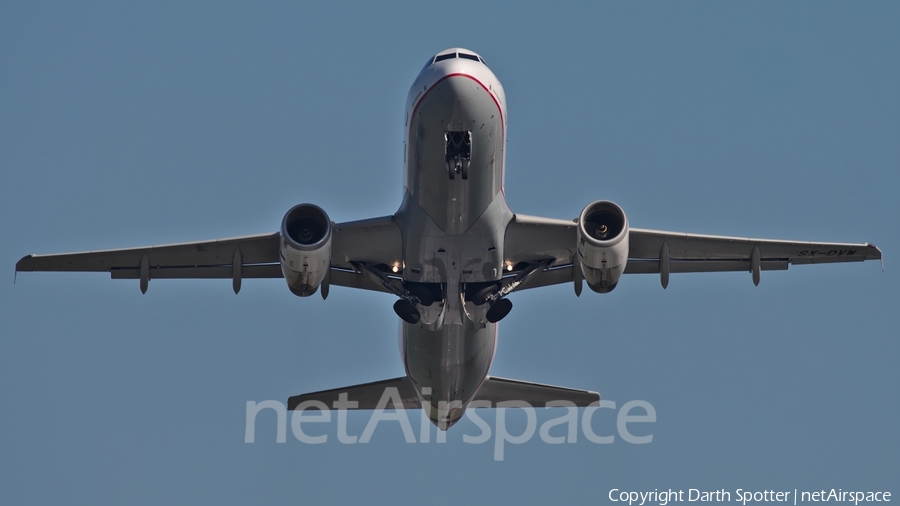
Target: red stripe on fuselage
{"points": [[488, 91]]}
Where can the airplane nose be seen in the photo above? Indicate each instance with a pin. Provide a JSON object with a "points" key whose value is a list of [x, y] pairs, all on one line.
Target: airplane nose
{"points": [[455, 88], [462, 87]]}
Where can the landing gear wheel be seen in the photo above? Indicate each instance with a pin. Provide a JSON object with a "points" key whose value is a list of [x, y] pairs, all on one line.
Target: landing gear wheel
{"points": [[498, 310], [465, 171], [407, 312], [452, 173]]}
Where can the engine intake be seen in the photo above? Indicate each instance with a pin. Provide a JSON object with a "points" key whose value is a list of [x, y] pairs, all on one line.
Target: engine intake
{"points": [[305, 248], [602, 244]]}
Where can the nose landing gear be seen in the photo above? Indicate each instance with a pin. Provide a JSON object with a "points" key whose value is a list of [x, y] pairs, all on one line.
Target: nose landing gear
{"points": [[458, 153]]}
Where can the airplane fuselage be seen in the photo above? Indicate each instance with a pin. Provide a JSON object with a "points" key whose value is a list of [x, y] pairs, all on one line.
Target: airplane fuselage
{"points": [[458, 252], [453, 219]]}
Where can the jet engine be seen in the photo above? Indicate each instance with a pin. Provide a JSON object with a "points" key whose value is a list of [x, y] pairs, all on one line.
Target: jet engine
{"points": [[305, 248], [602, 244]]}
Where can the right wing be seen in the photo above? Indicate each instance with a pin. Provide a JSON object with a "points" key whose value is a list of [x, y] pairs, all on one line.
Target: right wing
{"points": [[375, 241], [715, 253], [530, 240]]}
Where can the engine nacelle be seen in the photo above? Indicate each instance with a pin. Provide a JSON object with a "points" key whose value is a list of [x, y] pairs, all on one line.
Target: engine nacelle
{"points": [[305, 248], [602, 244]]}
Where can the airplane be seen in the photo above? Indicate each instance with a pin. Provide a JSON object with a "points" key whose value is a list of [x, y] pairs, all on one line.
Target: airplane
{"points": [[452, 253]]}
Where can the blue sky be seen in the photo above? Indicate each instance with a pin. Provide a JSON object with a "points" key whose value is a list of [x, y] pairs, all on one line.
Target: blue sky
{"points": [[126, 125]]}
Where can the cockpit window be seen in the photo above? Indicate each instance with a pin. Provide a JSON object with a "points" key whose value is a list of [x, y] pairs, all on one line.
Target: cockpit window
{"points": [[449, 56]]}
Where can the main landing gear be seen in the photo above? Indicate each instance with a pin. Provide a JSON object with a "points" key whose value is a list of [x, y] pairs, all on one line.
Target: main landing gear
{"points": [[409, 297], [407, 311], [417, 297], [492, 295], [424, 294], [499, 310], [495, 293]]}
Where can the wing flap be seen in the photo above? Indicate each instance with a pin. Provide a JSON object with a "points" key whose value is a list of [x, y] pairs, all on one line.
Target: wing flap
{"points": [[209, 272], [643, 266], [563, 274], [339, 277]]}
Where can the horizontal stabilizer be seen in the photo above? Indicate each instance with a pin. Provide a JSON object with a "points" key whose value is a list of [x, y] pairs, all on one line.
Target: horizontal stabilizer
{"points": [[494, 390], [538, 395], [366, 395]]}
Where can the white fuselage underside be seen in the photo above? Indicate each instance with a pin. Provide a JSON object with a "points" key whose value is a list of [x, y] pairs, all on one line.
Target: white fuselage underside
{"points": [[453, 228]]}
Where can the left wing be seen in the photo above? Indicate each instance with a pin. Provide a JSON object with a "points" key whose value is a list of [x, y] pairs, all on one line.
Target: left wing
{"points": [[531, 240], [203, 259], [375, 241]]}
